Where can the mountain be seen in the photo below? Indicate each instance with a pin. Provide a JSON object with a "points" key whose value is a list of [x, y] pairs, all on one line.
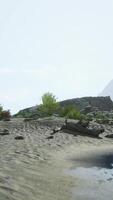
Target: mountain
{"points": [[108, 90], [101, 103]]}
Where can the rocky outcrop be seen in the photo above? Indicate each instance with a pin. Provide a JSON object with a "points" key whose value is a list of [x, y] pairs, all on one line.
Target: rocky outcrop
{"points": [[80, 128], [76, 127], [85, 104], [90, 104]]}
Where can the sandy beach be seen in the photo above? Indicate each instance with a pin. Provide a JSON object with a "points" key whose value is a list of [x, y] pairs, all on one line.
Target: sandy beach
{"points": [[35, 167]]}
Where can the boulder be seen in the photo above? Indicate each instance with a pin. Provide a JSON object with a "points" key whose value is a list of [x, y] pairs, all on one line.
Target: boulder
{"points": [[84, 123], [50, 137], [110, 122], [4, 132], [109, 136], [19, 137]]}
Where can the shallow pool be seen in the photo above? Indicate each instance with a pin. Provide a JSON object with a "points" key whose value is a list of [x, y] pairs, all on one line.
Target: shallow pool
{"points": [[93, 177]]}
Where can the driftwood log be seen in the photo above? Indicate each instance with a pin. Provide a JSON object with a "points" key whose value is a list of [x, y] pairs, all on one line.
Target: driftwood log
{"points": [[79, 128]]}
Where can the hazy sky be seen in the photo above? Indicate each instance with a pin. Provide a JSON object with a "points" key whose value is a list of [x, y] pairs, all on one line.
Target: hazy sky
{"points": [[61, 46]]}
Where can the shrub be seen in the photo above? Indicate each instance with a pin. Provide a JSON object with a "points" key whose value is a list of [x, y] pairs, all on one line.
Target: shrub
{"points": [[1, 109], [100, 115], [5, 115], [71, 112], [90, 116], [101, 118], [49, 104]]}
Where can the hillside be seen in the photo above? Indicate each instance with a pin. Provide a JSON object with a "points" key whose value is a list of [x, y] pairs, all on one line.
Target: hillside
{"points": [[100, 103]]}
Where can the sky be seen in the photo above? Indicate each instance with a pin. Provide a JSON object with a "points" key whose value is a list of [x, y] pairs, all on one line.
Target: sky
{"points": [[64, 47]]}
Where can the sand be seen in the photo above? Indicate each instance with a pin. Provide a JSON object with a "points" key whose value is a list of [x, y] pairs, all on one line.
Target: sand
{"points": [[35, 168]]}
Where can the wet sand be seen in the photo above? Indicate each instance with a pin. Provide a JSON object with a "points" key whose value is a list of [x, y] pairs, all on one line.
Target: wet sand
{"points": [[92, 169]]}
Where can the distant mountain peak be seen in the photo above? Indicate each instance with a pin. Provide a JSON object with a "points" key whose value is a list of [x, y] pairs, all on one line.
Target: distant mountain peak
{"points": [[108, 90]]}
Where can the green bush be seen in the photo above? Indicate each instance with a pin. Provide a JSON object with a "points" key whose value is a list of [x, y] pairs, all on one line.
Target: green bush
{"points": [[49, 105], [99, 115], [1, 108], [4, 114], [101, 118], [71, 112]]}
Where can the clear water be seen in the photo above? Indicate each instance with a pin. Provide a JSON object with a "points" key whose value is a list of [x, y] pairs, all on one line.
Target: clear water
{"points": [[93, 178]]}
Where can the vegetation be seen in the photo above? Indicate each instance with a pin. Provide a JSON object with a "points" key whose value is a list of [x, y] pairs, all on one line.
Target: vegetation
{"points": [[102, 118], [4, 114], [71, 112], [100, 115], [49, 105]]}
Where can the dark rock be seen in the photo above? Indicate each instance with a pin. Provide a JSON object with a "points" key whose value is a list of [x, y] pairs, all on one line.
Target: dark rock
{"points": [[19, 137], [28, 119], [50, 137], [84, 123], [110, 122], [56, 130], [86, 110], [78, 129], [109, 136], [7, 119], [100, 103], [4, 132]]}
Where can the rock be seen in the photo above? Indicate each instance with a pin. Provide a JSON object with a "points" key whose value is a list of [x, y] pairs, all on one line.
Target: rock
{"points": [[97, 130], [28, 119], [50, 137], [100, 121], [85, 104], [110, 122], [56, 130], [109, 136], [103, 121], [77, 128], [4, 132], [97, 103], [90, 116], [84, 123], [19, 137], [86, 110]]}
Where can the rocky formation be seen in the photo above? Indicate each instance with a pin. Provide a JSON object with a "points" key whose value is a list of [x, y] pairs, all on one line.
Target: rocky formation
{"points": [[85, 104], [76, 127], [90, 103], [19, 137]]}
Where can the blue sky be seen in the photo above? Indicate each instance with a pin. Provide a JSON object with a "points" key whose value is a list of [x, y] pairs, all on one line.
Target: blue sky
{"points": [[62, 46]]}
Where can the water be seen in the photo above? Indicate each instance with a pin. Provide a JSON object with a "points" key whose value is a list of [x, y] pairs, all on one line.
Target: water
{"points": [[93, 177]]}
